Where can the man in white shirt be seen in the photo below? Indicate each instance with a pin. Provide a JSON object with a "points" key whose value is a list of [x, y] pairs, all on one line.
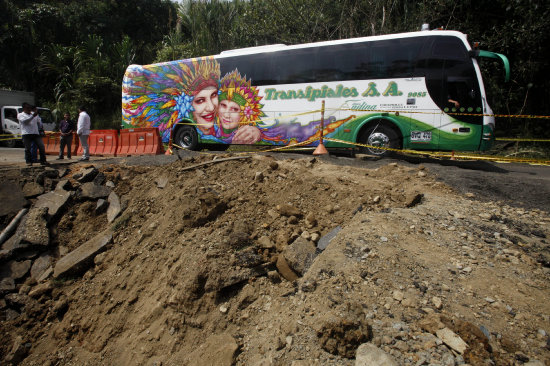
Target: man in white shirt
{"points": [[29, 122], [83, 132]]}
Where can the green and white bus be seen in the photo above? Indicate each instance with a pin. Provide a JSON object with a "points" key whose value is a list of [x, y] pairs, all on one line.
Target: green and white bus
{"points": [[418, 90]]}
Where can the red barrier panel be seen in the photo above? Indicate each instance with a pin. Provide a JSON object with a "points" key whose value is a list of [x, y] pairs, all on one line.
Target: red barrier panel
{"points": [[51, 143], [140, 141], [102, 143]]}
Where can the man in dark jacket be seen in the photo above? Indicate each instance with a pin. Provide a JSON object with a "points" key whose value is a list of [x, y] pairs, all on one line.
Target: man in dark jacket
{"points": [[66, 127]]}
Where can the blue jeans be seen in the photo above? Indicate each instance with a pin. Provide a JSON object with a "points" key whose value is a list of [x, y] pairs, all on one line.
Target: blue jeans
{"points": [[28, 140]]}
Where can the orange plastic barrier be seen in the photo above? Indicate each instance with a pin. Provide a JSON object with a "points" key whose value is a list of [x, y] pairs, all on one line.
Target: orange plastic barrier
{"points": [[51, 143], [140, 141], [101, 142]]}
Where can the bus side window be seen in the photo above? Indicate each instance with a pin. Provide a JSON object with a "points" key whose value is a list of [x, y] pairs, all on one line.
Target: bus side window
{"points": [[292, 67]]}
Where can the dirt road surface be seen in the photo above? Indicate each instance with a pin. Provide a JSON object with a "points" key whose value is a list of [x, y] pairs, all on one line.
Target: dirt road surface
{"points": [[278, 259]]}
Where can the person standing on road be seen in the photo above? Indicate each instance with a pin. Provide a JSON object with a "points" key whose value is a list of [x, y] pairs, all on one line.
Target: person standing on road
{"points": [[66, 127], [83, 132], [29, 122]]}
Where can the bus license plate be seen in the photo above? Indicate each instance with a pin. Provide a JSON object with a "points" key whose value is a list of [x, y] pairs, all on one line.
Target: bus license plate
{"points": [[421, 136]]}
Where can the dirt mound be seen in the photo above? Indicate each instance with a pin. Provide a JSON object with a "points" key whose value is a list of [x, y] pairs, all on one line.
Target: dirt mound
{"points": [[258, 261]]}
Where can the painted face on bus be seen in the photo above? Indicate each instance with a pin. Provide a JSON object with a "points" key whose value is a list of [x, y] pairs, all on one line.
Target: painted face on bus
{"points": [[205, 106], [229, 114]]}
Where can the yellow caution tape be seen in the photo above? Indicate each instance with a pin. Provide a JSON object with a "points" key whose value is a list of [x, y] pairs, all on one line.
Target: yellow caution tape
{"points": [[497, 159], [521, 140]]}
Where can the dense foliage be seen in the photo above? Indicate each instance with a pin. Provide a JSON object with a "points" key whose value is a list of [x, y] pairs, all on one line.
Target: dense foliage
{"points": [[73, 52]]}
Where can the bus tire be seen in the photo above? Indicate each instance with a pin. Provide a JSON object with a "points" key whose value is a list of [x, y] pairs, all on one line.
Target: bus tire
{"points": [[186, 138], [381, 136]]}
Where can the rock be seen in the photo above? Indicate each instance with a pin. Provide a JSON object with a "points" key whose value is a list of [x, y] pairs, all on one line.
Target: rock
{"points": [[32, 189], [452, 340], [534, 363], [61, 172], [292, 220], [398, 295], [12, 198], [369, 355], [7, 284], [284, 269], [87, 175], [47, 273], [50, 173], [273, 214], [40, 265], [114, 207], [300, 255], [259, 177], [33, 228], [217, 350], [64, 185], [110, 184], [54, 201], [304, 363], [274, 276], [248, 257], [16, 270], [41, 289], [325, 240], [99, 179], [101, 206], [310, 220], [18, 352], [315, 237], [266, 243], [161, 182], [288, 210], [437, 302], [92, 191], [230, 276], [273, 165], [342, 335], [432, 323], [80, 258], [413, 199]]}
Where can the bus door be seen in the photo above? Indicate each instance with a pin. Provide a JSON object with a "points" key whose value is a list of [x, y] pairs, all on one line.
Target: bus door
{"points": [[423, 117]]}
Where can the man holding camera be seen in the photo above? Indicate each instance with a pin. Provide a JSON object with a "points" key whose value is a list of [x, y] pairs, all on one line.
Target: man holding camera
{"points": [[29, 120]]}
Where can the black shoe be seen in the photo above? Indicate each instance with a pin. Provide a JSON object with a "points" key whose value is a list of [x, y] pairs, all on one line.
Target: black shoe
{"points": [[44, 163], [68, 157], [84, 159], [60, 158]]}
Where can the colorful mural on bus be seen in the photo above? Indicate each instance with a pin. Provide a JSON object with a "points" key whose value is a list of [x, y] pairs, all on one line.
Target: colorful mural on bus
{"points": [[224, 109]]}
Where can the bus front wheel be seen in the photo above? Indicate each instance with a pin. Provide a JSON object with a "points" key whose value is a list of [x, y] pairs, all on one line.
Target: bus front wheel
{"points": [[186, 138], [379, 136]]}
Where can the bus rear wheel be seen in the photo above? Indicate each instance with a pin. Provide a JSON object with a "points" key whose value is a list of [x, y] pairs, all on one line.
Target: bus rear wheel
{"points": [[379, 136], [186, 138]]}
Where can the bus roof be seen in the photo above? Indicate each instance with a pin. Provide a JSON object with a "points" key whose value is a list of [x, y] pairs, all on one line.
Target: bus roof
{"points": [[278, 47]]}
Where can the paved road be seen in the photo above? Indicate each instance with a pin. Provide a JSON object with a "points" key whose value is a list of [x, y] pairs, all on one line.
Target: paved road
{"points": [[518, 185]]}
